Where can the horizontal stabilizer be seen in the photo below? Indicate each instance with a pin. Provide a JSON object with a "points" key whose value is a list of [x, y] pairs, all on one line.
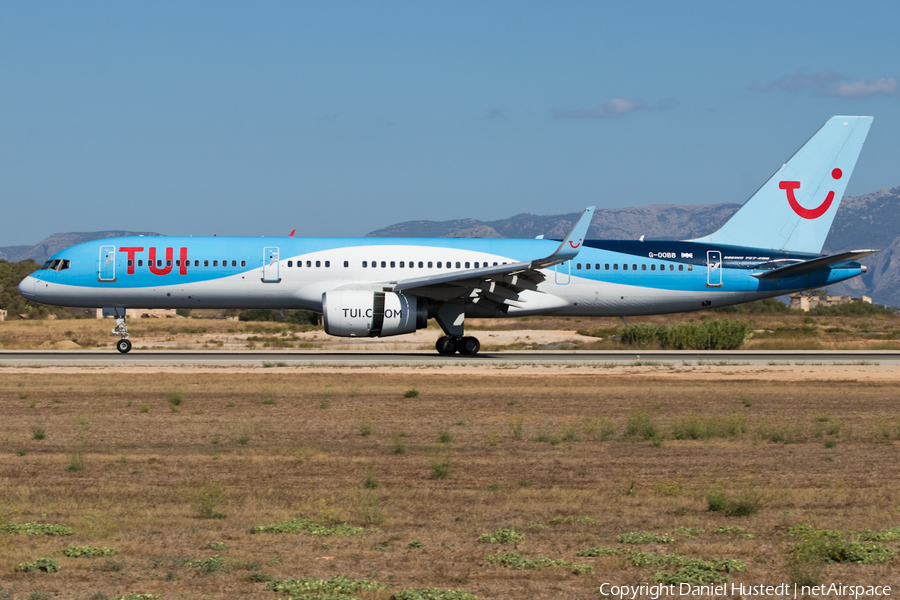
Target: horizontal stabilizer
{"points": [[815, 264]]}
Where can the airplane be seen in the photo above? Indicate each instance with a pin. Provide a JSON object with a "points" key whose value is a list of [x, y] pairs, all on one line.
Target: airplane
{"points": [[376, 287]]}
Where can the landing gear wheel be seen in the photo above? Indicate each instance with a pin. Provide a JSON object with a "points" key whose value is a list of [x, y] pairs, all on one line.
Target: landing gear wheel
{"points": [[469, 346], [448, 345], [123, 346]]}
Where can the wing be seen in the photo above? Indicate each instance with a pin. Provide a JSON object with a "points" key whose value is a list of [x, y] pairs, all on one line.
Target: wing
{"points": [[501, 285]]}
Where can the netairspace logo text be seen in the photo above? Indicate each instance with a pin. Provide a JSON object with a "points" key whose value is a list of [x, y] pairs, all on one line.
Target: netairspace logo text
{"points": [[785, 590]]}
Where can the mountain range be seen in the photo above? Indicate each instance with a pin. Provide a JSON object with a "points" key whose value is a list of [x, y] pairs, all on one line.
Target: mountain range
{"points": [[867, 221]]}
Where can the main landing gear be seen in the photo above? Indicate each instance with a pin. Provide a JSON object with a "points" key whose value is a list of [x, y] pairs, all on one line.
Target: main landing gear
{"points": [[451, 316], [451, 344]]}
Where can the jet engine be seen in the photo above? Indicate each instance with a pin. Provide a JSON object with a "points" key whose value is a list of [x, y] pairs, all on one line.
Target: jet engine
{"points": [[354, 313]]}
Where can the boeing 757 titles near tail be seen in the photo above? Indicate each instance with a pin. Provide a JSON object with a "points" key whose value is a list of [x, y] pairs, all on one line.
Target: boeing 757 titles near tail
{"points": [[371, 287]]}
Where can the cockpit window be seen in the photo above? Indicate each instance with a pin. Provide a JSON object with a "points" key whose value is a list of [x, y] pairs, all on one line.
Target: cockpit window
{"points": [[57, 264]]}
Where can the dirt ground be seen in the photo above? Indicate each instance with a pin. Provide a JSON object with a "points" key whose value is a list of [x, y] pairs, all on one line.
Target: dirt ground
{"points": [[778, 331], [428, 459]]}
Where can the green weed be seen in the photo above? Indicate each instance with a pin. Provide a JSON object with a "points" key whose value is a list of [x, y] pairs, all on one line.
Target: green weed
{"points": [[502, 536], [640, 424], [207, 498], [644, 537], [87, 551], [338, 586], [36, 529], [440, 463], [47, 565], [516, 561], [311, 527]]}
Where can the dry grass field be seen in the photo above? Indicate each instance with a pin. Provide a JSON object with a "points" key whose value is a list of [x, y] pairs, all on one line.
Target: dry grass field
{"points": [[778, 331], [173, 469]]}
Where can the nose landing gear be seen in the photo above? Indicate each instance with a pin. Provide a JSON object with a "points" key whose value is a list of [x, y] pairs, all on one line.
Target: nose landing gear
{"points": [[121, 330]]}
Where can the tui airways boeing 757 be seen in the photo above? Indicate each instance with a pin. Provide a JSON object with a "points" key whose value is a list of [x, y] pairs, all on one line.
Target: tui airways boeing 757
{"points": [[369, 287]]}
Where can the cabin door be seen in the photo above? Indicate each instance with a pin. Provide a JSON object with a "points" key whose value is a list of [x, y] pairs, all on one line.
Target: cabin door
{"points": [[270, 265], [107, 271], [713, 268]]}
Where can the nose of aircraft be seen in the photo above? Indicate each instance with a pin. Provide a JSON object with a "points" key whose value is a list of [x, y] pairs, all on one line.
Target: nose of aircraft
{"points": [[26, 288]]}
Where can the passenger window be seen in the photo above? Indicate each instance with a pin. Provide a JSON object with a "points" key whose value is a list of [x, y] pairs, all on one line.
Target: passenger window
{"points": [[439, 265], [615, 266], [383, 264], [327, 264], [671, 267], [625, 267], [606, 266], [318, 263], [234, 263], [653, 267], [429, 264], [681, 267], [577, 266], [224, 263], [215, 263], [365, 264], [290, 263], [690, 267], [587, 266], [308, 263], [467, 265], [644, 267], [457, 265], [420, 264], [346, 263], [140, 262], [196, 263], [130, 263], [393, 264], [495, 264], [634, 267], [205, 263], [402, 264], [244, 263]]}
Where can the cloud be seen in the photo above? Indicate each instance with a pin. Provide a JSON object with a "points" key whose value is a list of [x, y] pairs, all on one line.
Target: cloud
{"points": [[828, 83], [887, 86], [800, 80], [614, 108]]}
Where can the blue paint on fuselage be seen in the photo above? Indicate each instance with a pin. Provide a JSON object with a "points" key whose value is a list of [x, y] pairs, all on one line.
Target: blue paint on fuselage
{"points": [[652, 265]]}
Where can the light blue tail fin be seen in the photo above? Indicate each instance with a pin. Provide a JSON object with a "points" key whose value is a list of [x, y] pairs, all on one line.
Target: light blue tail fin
{"points": [[793, 210]]}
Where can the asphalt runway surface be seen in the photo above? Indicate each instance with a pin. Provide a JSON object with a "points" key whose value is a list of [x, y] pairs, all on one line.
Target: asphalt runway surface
{"points": [[164, 358]]}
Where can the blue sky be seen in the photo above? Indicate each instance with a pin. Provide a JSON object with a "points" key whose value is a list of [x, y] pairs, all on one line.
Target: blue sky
{"points": [[337, 118]]}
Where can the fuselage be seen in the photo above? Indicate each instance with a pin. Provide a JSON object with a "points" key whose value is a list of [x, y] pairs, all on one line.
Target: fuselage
{"points": [[606, 278]]}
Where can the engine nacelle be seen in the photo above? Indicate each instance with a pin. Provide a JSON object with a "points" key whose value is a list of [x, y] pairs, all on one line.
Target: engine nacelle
{"points": [[352, 313]]}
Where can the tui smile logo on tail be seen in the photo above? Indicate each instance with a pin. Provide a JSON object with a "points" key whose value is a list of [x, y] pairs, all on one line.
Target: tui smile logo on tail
{"points": [[809, 213], [573, 244]]}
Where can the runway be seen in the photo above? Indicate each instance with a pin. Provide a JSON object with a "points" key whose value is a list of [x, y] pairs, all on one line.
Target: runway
{"points": [[166, 358]]}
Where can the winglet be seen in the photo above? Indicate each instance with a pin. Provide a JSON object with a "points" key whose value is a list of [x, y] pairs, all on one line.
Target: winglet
{"points": [[570, 246]]}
